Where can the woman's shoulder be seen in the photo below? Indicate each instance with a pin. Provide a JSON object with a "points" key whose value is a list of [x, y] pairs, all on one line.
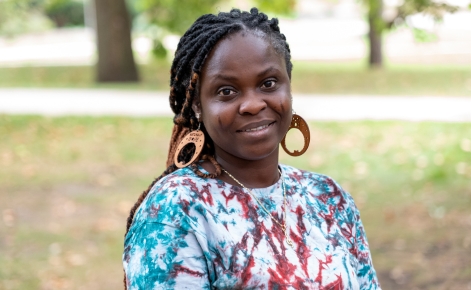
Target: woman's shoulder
{"points": [[176, 181], [169, 197]]}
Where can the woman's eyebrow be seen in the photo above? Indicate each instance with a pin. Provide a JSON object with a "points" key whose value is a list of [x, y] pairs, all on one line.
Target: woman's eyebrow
{"points": [[226, 77], [269, 69]]}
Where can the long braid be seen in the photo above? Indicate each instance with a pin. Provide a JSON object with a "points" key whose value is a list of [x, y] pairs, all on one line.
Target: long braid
{"points": [[192, 51], [186, 108]]}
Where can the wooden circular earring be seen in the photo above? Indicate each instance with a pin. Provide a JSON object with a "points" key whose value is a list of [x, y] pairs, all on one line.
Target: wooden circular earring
{"points": [[298, 123], [194, 137]]}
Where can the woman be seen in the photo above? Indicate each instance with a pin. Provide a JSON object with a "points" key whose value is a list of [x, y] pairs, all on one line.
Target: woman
{"points": [[225, 214]]}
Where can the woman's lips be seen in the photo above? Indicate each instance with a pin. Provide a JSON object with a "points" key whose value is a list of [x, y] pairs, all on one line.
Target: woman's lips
{"points": [[258, 128]]}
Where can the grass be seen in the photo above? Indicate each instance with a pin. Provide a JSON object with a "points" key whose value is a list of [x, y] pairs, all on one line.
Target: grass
{"points": [[308, 78], [67, 184], [348, 79]]}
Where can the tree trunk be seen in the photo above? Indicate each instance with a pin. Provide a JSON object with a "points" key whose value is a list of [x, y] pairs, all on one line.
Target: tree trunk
{"points": [[375, 22], [115, 57]]}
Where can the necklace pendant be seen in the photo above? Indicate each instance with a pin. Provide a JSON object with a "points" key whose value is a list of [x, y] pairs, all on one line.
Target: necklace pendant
{"points": [[290, 242]]}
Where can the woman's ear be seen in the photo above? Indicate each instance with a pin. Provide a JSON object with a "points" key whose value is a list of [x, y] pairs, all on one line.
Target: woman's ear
{"points": [[196, 106]]}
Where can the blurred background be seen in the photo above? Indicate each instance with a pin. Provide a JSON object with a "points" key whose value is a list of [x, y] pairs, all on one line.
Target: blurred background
{"points": [[84, 127]]}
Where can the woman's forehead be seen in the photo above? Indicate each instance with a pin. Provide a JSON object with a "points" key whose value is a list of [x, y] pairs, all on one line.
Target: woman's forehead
{"points": [[240, 48]]}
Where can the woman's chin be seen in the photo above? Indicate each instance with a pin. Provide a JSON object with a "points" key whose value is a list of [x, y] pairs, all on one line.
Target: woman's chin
{"points": [[255, 153]]}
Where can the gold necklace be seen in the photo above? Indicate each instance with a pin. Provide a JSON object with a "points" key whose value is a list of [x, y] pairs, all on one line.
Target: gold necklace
{"points": [[283, 226]]}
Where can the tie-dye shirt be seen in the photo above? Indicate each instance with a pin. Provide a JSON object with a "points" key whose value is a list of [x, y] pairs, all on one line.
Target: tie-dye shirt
{"points": [[196, 233]]}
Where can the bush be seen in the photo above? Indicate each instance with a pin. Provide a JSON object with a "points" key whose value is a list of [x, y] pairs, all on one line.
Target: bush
{"points": [[65, 13]]}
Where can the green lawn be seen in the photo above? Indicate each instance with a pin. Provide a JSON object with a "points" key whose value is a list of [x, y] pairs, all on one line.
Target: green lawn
{"points": [[67, 184], [308, 78]]}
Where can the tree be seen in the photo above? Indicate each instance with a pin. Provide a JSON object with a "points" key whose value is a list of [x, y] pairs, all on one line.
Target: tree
{"points": [[376, 27], [115, 57], [378, 24]]}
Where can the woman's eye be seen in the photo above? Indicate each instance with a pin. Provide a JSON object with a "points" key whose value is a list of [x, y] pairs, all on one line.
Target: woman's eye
{"points": [[269, 84], [226, 92]]}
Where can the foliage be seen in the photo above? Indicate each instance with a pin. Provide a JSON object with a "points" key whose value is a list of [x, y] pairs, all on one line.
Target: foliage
{"points": [[375, 13], [158, 49], [398, 14], [422, 35], [65, 12], [379, 23], [432, 8], [427, 7], [281, 7], [375, 8], [158, 18], [174, 16], [22, 16]]}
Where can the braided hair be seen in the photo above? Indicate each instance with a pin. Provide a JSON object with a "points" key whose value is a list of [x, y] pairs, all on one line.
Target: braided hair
{"points": [[192, 51]]}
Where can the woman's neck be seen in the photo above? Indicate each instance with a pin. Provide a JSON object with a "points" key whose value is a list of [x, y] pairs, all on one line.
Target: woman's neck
{"points": [[251, 173]]}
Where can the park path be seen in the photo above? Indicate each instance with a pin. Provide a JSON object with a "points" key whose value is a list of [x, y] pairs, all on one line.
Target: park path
{"points": [[108, 102]]}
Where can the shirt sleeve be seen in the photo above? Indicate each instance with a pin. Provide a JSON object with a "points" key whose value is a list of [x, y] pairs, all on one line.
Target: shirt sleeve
{"points": [[161, 256]]}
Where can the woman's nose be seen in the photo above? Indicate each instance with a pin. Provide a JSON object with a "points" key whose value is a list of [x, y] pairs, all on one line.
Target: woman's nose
{"points": [[252, 104]]}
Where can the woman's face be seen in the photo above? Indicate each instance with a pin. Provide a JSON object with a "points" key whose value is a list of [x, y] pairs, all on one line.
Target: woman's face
{"points": [[245, 97]]}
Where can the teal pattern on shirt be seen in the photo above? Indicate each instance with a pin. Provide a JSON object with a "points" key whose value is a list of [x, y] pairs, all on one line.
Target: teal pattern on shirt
{"points": [[197, 233]]}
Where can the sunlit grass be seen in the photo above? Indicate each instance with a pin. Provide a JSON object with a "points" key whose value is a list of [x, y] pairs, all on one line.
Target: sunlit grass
{"points": [[67, 184], [355, 78], [307, 78]]}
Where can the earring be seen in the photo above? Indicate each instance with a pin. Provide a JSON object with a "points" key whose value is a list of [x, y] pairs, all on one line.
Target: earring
{"points": [[298, 123], [195, 137]]}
